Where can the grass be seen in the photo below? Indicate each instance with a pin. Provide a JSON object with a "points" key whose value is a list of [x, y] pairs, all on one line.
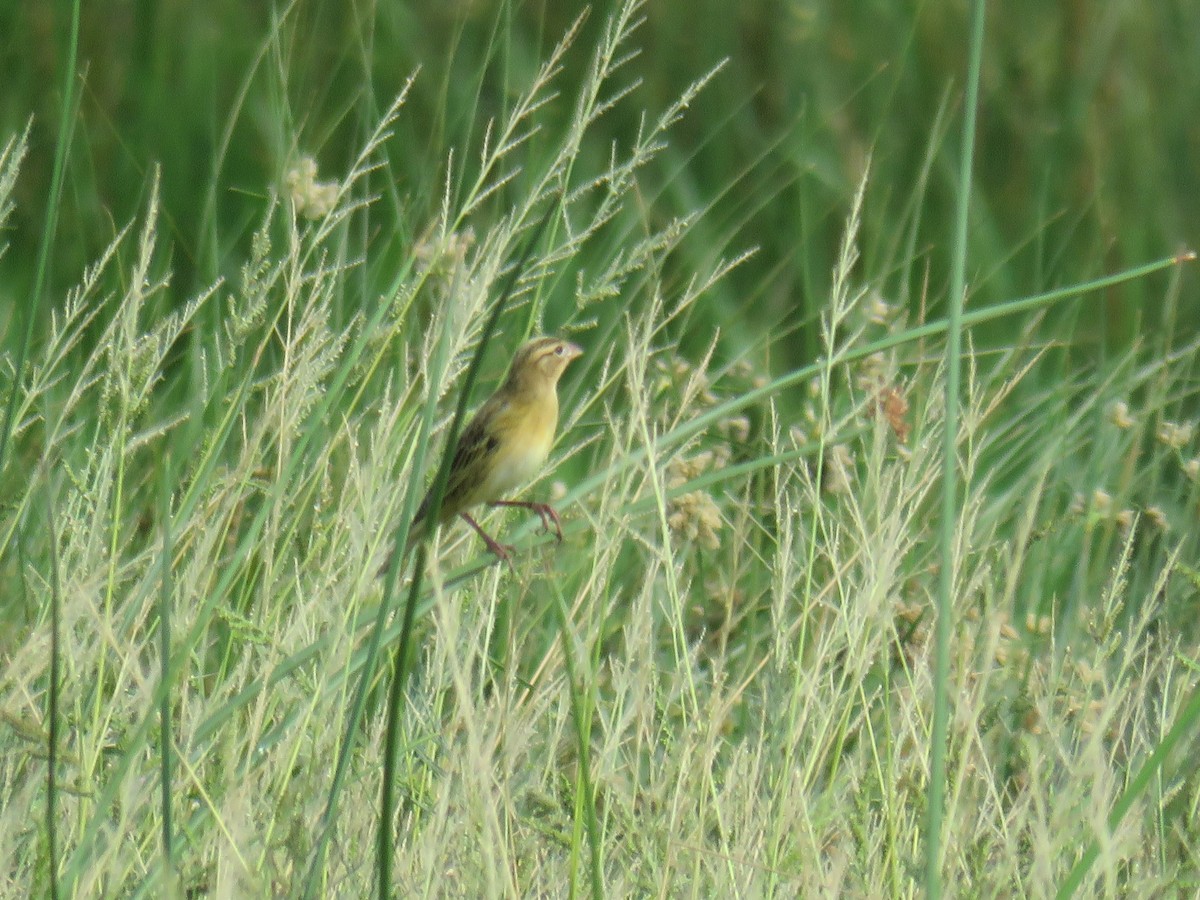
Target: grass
{"points": [[723, 682]]}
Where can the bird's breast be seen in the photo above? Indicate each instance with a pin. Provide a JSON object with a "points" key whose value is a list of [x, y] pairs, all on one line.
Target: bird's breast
{"points": [[519, 459]]}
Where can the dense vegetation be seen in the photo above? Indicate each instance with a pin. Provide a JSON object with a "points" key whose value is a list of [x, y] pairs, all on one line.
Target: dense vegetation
{"points": [[250, 254]]}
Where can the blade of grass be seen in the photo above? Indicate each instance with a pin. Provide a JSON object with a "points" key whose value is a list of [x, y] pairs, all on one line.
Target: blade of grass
{"points": [[53, 700], [164, 636], [375, 641], [1187, 720], [46, 244], [949, 523], [45, 247], [401, 657], [582, 704]]}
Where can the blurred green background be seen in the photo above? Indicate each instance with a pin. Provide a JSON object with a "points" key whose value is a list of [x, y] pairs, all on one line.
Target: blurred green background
{"points": [[1087, 150]]}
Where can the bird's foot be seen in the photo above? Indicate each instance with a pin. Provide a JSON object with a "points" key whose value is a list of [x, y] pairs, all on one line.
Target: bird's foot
{"points": [[549, 517], [502, 551], [546, 512]]}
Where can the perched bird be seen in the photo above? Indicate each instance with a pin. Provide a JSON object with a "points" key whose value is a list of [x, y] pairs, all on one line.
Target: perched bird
{"points": [[506, 442]]}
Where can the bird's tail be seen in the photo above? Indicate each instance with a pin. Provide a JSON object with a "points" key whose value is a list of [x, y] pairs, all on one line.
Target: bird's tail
{"points": [[416, 531]]}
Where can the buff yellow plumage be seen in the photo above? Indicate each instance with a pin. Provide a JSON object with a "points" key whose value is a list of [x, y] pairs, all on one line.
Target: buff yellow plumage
{"points": [[506, 442]]}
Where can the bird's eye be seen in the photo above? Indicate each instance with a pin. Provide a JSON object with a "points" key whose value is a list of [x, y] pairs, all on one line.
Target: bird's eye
{"points": [[560, 350]]}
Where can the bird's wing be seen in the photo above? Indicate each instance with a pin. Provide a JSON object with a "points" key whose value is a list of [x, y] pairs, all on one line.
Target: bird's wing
{"points": [[477, 441]]}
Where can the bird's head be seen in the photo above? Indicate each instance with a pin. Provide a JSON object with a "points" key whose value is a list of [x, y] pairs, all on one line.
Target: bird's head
{"points": [[540, 363]]}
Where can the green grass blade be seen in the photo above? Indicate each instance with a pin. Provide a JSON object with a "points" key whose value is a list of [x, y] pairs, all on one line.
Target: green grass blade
{"points": [[1185, 723], [950, 511], [62, 149], [52, 711], [402, 654], [165, 740], [582, 704]]}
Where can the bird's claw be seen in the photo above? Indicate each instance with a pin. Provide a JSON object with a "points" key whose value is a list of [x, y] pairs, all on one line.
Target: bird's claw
{"points": [[549, 517], [546, 512]]}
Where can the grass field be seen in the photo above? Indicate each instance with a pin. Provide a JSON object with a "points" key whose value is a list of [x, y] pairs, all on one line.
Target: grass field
{"points": [[255, 259]]}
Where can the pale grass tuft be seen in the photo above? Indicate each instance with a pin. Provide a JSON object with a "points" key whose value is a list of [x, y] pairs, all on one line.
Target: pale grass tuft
{"points": [[311, 199], [1175, 435], [11, 157], [696, 518], [1118, 414]]}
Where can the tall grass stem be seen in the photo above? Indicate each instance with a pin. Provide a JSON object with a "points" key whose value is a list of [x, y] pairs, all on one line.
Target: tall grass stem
{"points": [[949, 516]]}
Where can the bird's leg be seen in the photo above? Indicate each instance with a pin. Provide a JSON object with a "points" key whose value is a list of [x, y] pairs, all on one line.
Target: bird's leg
{"points": [[545, 512], [503, 551]]}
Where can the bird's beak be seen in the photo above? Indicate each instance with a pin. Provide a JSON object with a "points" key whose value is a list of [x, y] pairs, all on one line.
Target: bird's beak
{"points": [[574, 351]]}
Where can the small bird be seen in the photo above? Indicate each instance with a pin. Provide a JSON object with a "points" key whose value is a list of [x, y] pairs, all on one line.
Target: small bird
{"points": [[506, 442]]}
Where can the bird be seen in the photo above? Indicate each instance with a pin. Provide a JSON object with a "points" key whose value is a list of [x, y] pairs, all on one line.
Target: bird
{"points": [[505, 444]]}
